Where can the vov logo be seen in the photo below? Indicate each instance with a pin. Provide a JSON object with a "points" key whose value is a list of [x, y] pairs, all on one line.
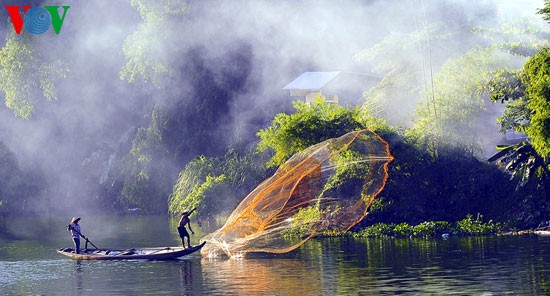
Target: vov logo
{"points": [[37, 20]]}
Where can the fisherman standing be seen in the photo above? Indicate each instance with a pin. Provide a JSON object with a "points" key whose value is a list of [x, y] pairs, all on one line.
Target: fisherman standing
{"points": [[74, 228], [182, 231]]}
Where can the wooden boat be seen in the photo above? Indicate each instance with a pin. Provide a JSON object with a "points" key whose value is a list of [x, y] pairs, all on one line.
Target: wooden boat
{"points": [[162, 253]]}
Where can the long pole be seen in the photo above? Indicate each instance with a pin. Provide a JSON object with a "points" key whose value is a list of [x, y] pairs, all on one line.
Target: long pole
{"points": [[78, 232]]}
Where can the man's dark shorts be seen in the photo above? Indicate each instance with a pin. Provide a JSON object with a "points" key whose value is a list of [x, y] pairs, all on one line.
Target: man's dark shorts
{"points": [[183, 232]]}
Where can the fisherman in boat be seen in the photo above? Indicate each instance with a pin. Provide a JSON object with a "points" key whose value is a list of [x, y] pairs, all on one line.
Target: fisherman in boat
{"points": [[74, 228], [184, 220]]}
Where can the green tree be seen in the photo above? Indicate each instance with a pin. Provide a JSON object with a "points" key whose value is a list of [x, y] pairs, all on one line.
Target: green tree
{"points": [[537, 91], [545, 11], [143, 48], [458, 97], [215, 185], [506, 87], [25, 73], [405, 77], [142, 175], [451, 100], [453, 119], [527, 97], [183, 127], [309, 125]]}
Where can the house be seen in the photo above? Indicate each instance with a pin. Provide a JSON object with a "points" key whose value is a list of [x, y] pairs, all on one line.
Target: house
{"points": [[335, 87]]}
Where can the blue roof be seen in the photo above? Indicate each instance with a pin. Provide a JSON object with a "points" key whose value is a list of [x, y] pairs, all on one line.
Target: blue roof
{"points": [[312, 80]]}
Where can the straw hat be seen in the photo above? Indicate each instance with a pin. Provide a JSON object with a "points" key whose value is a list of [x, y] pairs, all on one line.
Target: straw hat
{"points": [[75, 220]]}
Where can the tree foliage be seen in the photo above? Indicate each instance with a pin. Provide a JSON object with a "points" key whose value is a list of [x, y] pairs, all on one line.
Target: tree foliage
{"points": [[183, 127], [521, 37], [506, 87], [537, 91], [143, 49], [309, 125], [215, 185], [453, 118], [26, 73], [525, 93], [451, 102], [405, 77], [527, 97], [527, 100], [141, 170], [545, 11]]}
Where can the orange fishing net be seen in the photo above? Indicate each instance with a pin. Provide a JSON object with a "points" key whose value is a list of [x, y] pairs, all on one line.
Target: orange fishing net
{"points": [[326, 187]]}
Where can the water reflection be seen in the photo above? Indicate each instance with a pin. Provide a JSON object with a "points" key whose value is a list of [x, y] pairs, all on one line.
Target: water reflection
{"points": [[473, 265], [191, 276], [261, 276], [186, 274], [328, 266], [77, 278], [467, 266]]}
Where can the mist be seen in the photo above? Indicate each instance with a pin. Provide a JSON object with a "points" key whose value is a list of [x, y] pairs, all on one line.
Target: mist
{"points": [[253, 48]]}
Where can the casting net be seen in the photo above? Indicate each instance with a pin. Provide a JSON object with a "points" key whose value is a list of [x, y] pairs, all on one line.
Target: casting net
{"points": [[327, 187]]}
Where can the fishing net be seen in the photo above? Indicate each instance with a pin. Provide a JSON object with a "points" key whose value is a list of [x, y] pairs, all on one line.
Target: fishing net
{"points": [[327, 187]]}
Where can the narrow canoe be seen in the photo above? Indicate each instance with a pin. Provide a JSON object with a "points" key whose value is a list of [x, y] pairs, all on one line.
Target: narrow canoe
{"points": [[162, 253]]}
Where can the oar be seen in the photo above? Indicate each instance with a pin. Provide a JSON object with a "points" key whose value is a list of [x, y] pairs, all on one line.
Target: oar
{"points": [[87, 240]]}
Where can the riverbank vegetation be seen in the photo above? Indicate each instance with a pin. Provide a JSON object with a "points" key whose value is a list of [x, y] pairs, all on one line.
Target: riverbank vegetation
{"points": [[436, 113], [430, 229]]}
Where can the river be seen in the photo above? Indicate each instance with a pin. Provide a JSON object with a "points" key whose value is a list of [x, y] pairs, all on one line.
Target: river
{"points": [[493, 265]]}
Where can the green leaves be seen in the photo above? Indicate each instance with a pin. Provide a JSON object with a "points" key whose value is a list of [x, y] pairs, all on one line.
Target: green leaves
{"points": [[309, 125], [452, 117], [536, 77], [545, 11], [143, 49], [428, 229], [527, 97], [469, 226], [25, 74], [505, 86], [216, 184]]}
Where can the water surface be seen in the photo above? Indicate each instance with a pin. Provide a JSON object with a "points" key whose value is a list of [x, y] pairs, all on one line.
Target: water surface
{"points": [[29, 265]]}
